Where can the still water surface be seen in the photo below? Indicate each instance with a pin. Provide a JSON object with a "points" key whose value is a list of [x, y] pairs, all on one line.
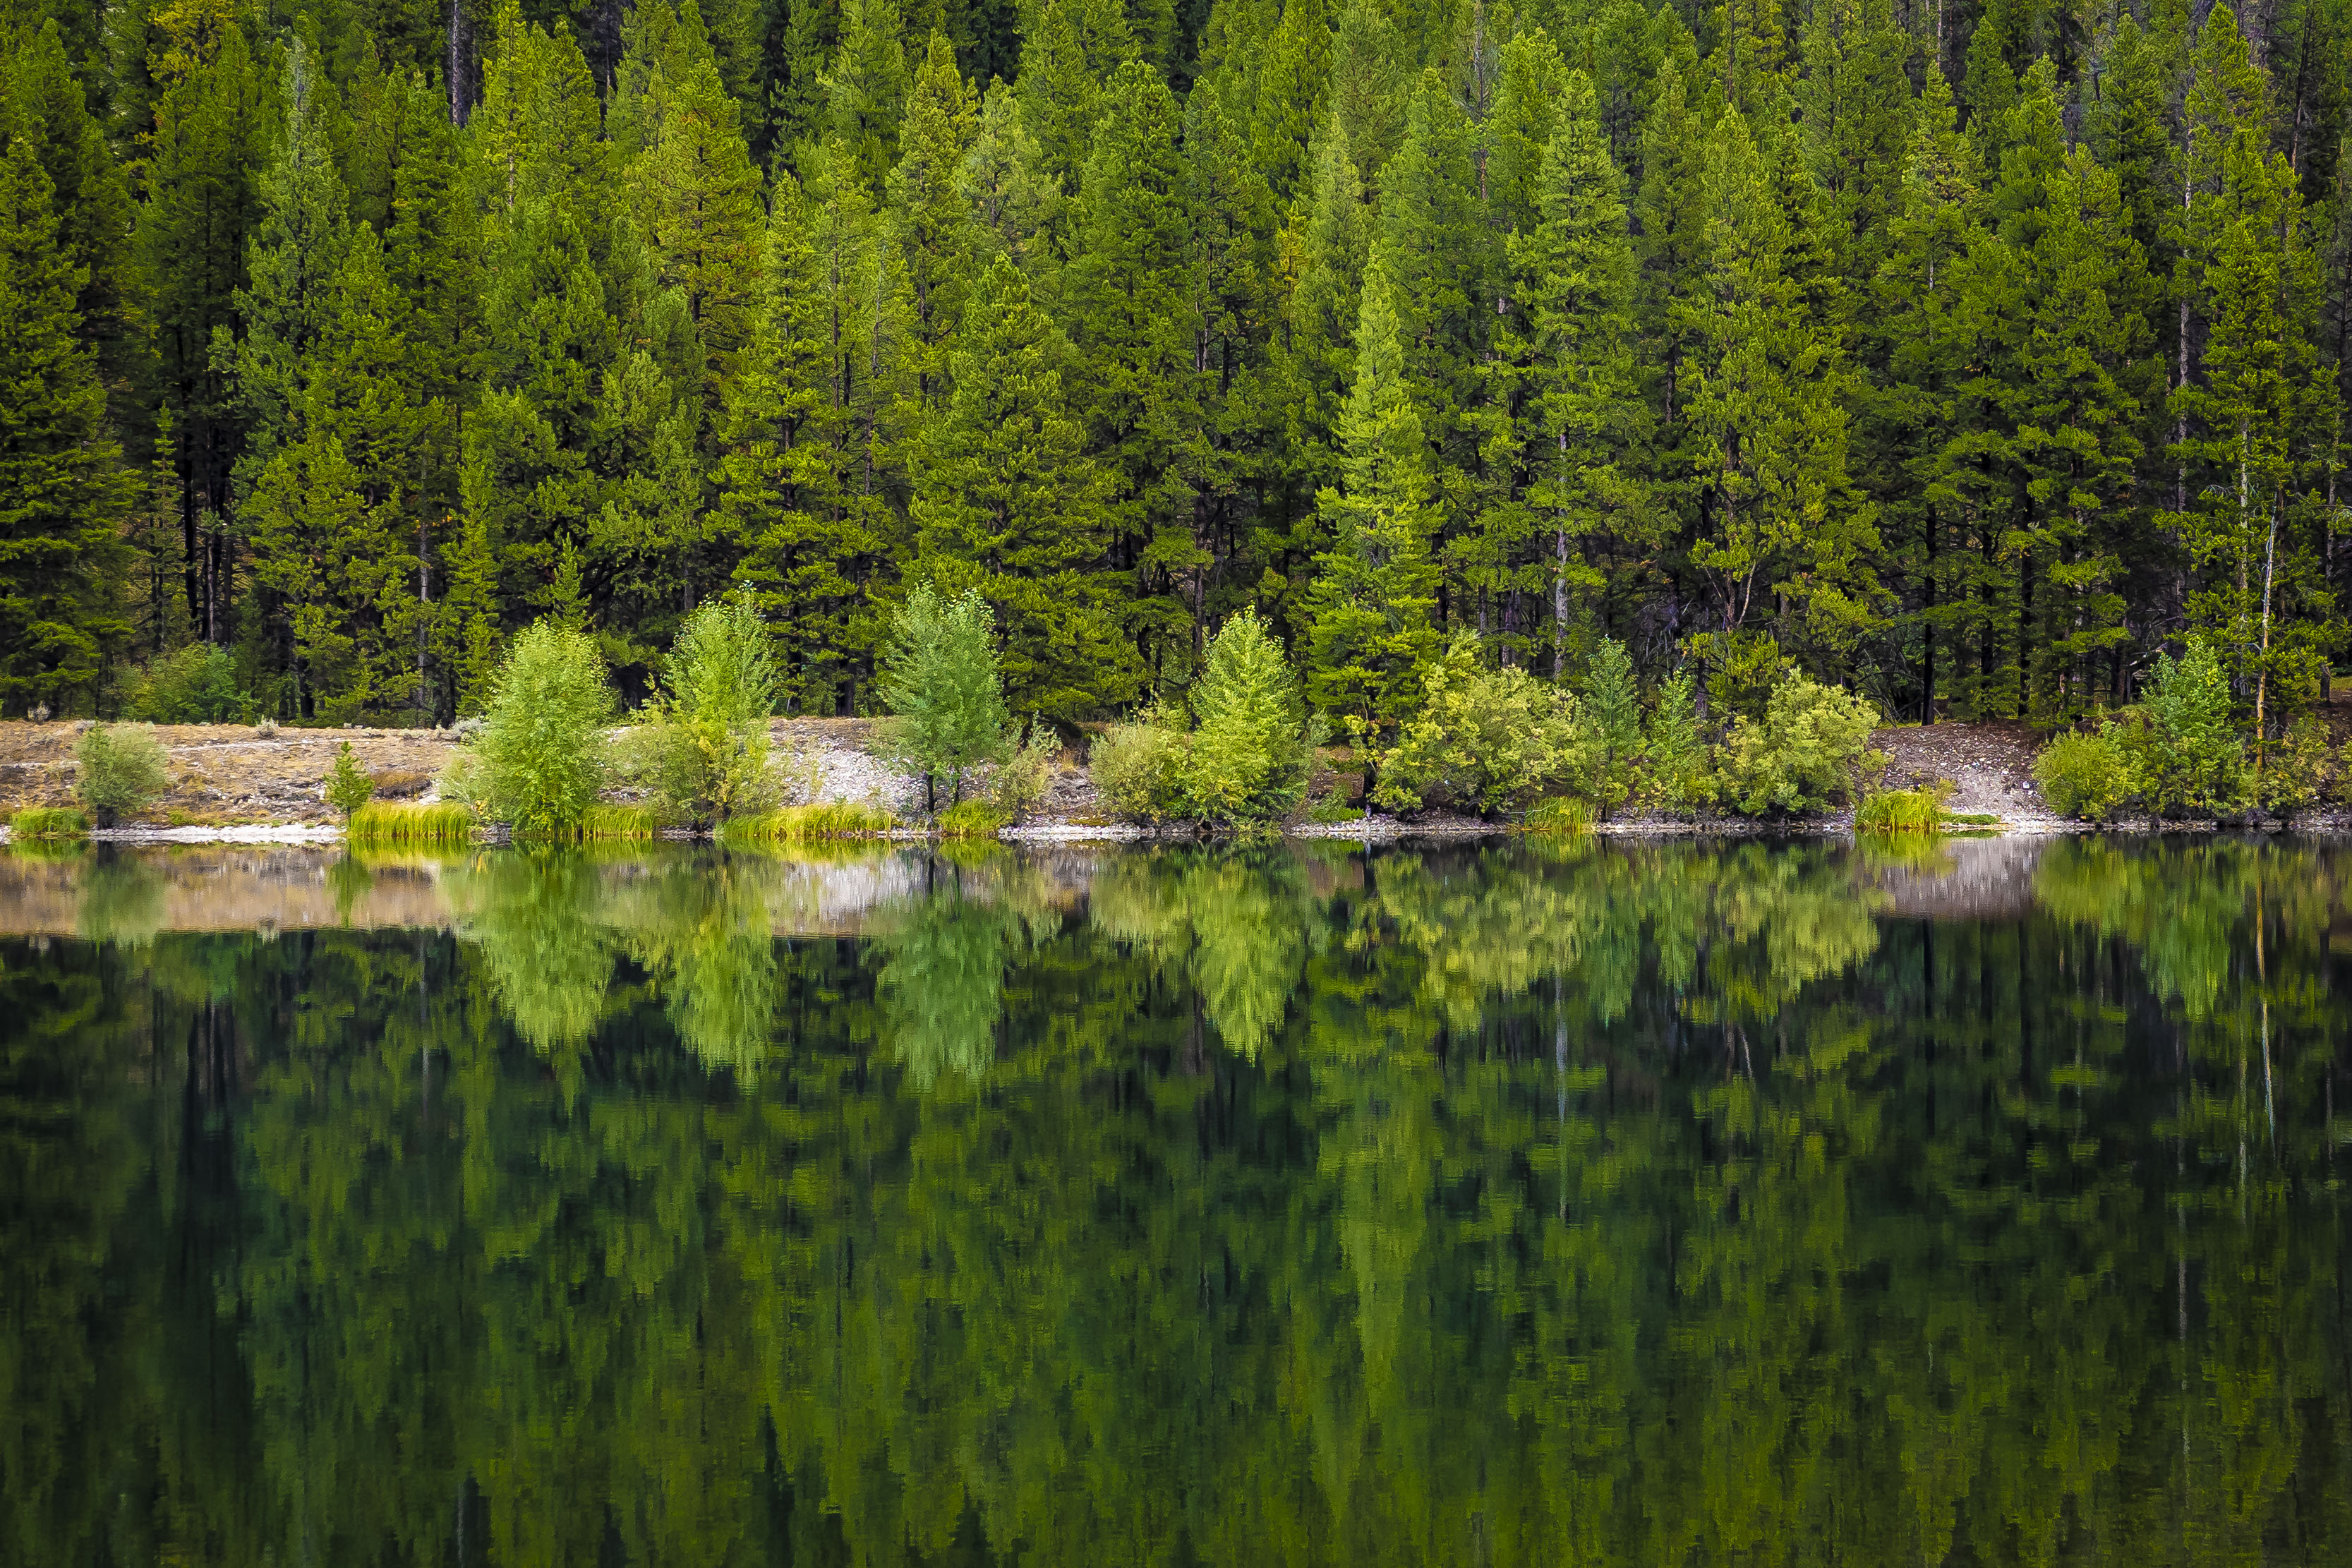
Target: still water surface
{"points": [[1631, 1204]]}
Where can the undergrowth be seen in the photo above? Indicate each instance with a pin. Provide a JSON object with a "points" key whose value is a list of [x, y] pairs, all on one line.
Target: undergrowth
{"points": [[409, 822], [48, 822], [826, 819]]}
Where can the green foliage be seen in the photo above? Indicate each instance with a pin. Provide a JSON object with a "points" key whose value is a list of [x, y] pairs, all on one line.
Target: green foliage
{"points": [[2190, 759], [1251, 754], [540, 759], [196, 685], [1021, 782], [1903, 810], [822, 819], [349, 785], [1138, 768], [939, 677], [972, 819], [700, 747], [1613, 704], [1561, 816], [1488, 739], [2298, 769], [1674, 751], [1807, 755], [409, 824], [609, 823], [118, 771], [45, 822], [2085, 773]]}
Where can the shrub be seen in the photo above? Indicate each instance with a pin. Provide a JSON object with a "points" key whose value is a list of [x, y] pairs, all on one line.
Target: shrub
{"points": [[48, 822], [348, 784], [1251, 754], [826, 819], [2189, 758], [2085, 773], [1674, 751], [408, 822], [1137, 768], [1561, 816], [1807, 755], [195, 685], [1903, 810], [2298, 770], [1612, 701], [701, 747], [122, 771], [941, 678], [1331, 809], [539, 757], [1020, 784], [972, 819], [1487, 740]]}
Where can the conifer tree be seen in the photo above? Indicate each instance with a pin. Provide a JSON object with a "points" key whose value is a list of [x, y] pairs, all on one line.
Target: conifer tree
{"points": [[62, 493], [1293, 86], [932, 218], [1371, 633], [1581, 415], [1134, 334], [808, 547], [1857, 103], [866, 89], [1006, 501], [1769, 432]]}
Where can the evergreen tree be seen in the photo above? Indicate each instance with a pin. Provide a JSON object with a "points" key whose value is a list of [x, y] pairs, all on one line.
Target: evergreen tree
{"points": [[1007, 502], [866, 90], [62, 494], [933, 220], [1370, 633], [1579, 411], [1133, 334], [1291, 104]]}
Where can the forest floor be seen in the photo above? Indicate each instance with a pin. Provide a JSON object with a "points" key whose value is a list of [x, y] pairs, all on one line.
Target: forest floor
{"points": [[232, 781]]}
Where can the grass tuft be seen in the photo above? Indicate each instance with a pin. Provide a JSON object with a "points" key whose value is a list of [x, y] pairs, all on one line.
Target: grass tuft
{"points": [[605, 822], [972, 819], [1902, 811], [407, 823], [826, 819], [1561, 816], [48, 822]]}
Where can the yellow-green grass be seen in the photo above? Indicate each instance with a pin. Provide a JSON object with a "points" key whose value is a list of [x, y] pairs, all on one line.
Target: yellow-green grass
{"points": [[1903, 810], [604, 821], [409, 824], [972, 819], [1562, 816], [48, 822], [828, 819]]}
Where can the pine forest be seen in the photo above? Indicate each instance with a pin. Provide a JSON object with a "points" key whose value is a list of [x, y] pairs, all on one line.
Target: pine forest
{"points": [[1974, 355]]}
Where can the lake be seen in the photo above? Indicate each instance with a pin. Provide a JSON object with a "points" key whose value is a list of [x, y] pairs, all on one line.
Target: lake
{"points": [[1605, 1202]]}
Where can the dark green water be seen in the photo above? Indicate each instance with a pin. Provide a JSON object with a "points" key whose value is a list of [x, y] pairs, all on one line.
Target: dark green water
{"points": [[1627, 1204]]}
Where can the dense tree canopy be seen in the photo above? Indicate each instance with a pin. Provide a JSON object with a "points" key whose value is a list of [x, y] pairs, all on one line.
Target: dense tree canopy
{"points": [[1971, 355]]}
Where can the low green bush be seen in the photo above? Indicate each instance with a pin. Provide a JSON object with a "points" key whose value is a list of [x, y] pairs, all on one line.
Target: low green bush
{"points": [[701, 747], [541, 756], [2085, 773], [1331, 810], [1137, 768], [2191, 762], [196, 685], [1250, 753], [826, 819], [48, 822], [1675, 777], [1807, 754], [1019, 783], [972, 819], [1903, 810], [2298, 770], [120, 771], [1488, 740], [408, 822], [349, 787]]}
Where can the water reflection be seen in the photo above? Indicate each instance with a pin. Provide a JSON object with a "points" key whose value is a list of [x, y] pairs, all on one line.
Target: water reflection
{"points": [[1595, 1202]]}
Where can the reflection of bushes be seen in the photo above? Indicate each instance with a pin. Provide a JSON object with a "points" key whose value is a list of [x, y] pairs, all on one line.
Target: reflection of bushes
{"points": [[122, 899], [531, 918]]}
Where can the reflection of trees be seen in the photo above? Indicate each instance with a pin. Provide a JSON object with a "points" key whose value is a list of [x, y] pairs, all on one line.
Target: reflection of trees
{"points": [[1995, 1243]]}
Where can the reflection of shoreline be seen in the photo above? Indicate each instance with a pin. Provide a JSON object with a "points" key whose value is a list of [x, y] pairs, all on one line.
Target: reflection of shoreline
{"points": [[1957, 878]]}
